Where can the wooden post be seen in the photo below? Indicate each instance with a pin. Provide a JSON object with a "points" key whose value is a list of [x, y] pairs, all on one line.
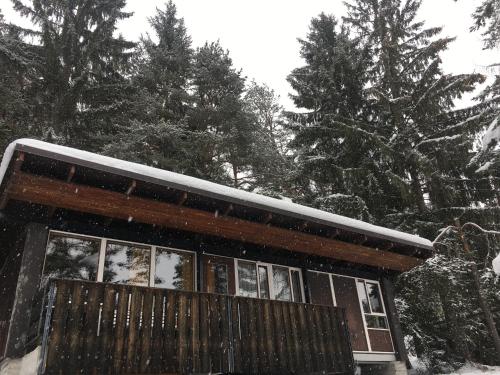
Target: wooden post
{"points": [[27, 287], [394, 323]]}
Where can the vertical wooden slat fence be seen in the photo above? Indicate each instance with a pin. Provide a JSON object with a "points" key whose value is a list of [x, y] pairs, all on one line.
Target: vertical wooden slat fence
{"points": [[96, 328]]}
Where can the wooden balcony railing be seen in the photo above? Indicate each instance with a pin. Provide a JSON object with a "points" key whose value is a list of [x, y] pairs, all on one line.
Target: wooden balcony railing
{"points": [[98, 328]]}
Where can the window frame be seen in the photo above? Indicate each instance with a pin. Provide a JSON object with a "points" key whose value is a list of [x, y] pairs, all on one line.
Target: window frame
{"points": [[102, 255], [72, 235], [270, 281], [365, 326]]}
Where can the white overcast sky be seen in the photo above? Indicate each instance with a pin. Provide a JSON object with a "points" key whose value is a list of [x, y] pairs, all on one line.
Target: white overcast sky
{"points": [[261, 35]]}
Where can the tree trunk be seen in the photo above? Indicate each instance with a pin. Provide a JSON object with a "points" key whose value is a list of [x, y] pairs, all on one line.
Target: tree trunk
{"points": [[417, 190], [488, 316]]}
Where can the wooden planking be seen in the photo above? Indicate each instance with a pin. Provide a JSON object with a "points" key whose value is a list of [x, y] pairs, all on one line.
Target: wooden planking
{"points": [[101, 328], [45, 191]]}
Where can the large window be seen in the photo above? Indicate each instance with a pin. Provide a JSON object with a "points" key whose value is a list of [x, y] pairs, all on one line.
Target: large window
{"points": [[369, 297], [127, 264], [262, 280], [100, 259], [71, 257], [247, 279], [174, 269]]}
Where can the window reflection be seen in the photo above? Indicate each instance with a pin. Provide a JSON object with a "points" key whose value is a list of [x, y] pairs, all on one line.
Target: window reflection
{"points": [[281, 283], [247, 279], [362, 296], [174, 269], [374, 295], [369, 295], [126, 264], [71, 257], [221, 279], [376, 321]]}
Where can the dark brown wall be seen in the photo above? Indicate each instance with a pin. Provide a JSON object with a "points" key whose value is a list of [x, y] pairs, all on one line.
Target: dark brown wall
{"points": [[380, 340], [347, 297]]}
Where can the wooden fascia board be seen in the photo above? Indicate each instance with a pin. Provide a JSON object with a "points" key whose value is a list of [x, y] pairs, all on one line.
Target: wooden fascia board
{"points": [[50, 192]]}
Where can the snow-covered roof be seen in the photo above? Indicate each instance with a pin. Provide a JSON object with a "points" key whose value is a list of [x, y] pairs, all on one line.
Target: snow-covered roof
{"points": [[204, 188]]}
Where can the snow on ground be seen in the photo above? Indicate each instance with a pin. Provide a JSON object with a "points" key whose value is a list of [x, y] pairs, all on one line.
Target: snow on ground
{"points": [[476, 369]]}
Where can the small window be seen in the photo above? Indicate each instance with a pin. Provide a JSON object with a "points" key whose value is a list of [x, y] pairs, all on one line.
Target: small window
{"points": [[71, 257], [247, 279], [363, 297], [263, 282], [369, 296], [174, 269], [126, 264], [221, 278], [281, 283], [374, 295]]}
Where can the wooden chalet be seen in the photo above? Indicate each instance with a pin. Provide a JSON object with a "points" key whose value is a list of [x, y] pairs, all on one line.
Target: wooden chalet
{"points": [[111, 267]]}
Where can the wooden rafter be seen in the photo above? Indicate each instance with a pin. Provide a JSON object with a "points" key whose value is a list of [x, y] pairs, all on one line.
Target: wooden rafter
{"points": [[334, 233], [183, 198], [267, 218], [46, 191], [131, 188], [302, 226], [227, 210]]}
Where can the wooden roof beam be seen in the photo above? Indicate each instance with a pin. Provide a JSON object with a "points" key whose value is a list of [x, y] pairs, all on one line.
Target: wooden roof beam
{"points": [[69, 178], [128, 193], [98, 201]]}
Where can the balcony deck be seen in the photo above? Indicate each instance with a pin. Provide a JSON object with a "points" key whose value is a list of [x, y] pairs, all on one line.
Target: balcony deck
{"points": [[99, 328]]}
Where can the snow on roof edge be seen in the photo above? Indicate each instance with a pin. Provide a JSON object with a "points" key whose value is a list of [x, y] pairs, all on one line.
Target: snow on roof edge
{"points": [[206, 188]]}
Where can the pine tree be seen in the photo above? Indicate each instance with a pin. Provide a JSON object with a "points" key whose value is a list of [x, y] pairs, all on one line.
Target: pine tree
{"points": [[157, 133], [17, 66], [270, 163], [223, 150], [401, 155], [487, 20], [165, 67], [83, 90], [329, 141]]}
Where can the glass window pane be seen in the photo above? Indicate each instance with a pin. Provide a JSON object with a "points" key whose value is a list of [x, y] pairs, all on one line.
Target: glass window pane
{"points": [[72, 257], [247, 279], [263, 282], [296, 288], [126, 264], [221, 279], [174, 269], [375, 302], [362, 296], [375, 321], [281, 284]]}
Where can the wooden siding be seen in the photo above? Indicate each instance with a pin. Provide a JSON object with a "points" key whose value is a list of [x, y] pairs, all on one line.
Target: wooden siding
{"points": [[119, 329]]}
